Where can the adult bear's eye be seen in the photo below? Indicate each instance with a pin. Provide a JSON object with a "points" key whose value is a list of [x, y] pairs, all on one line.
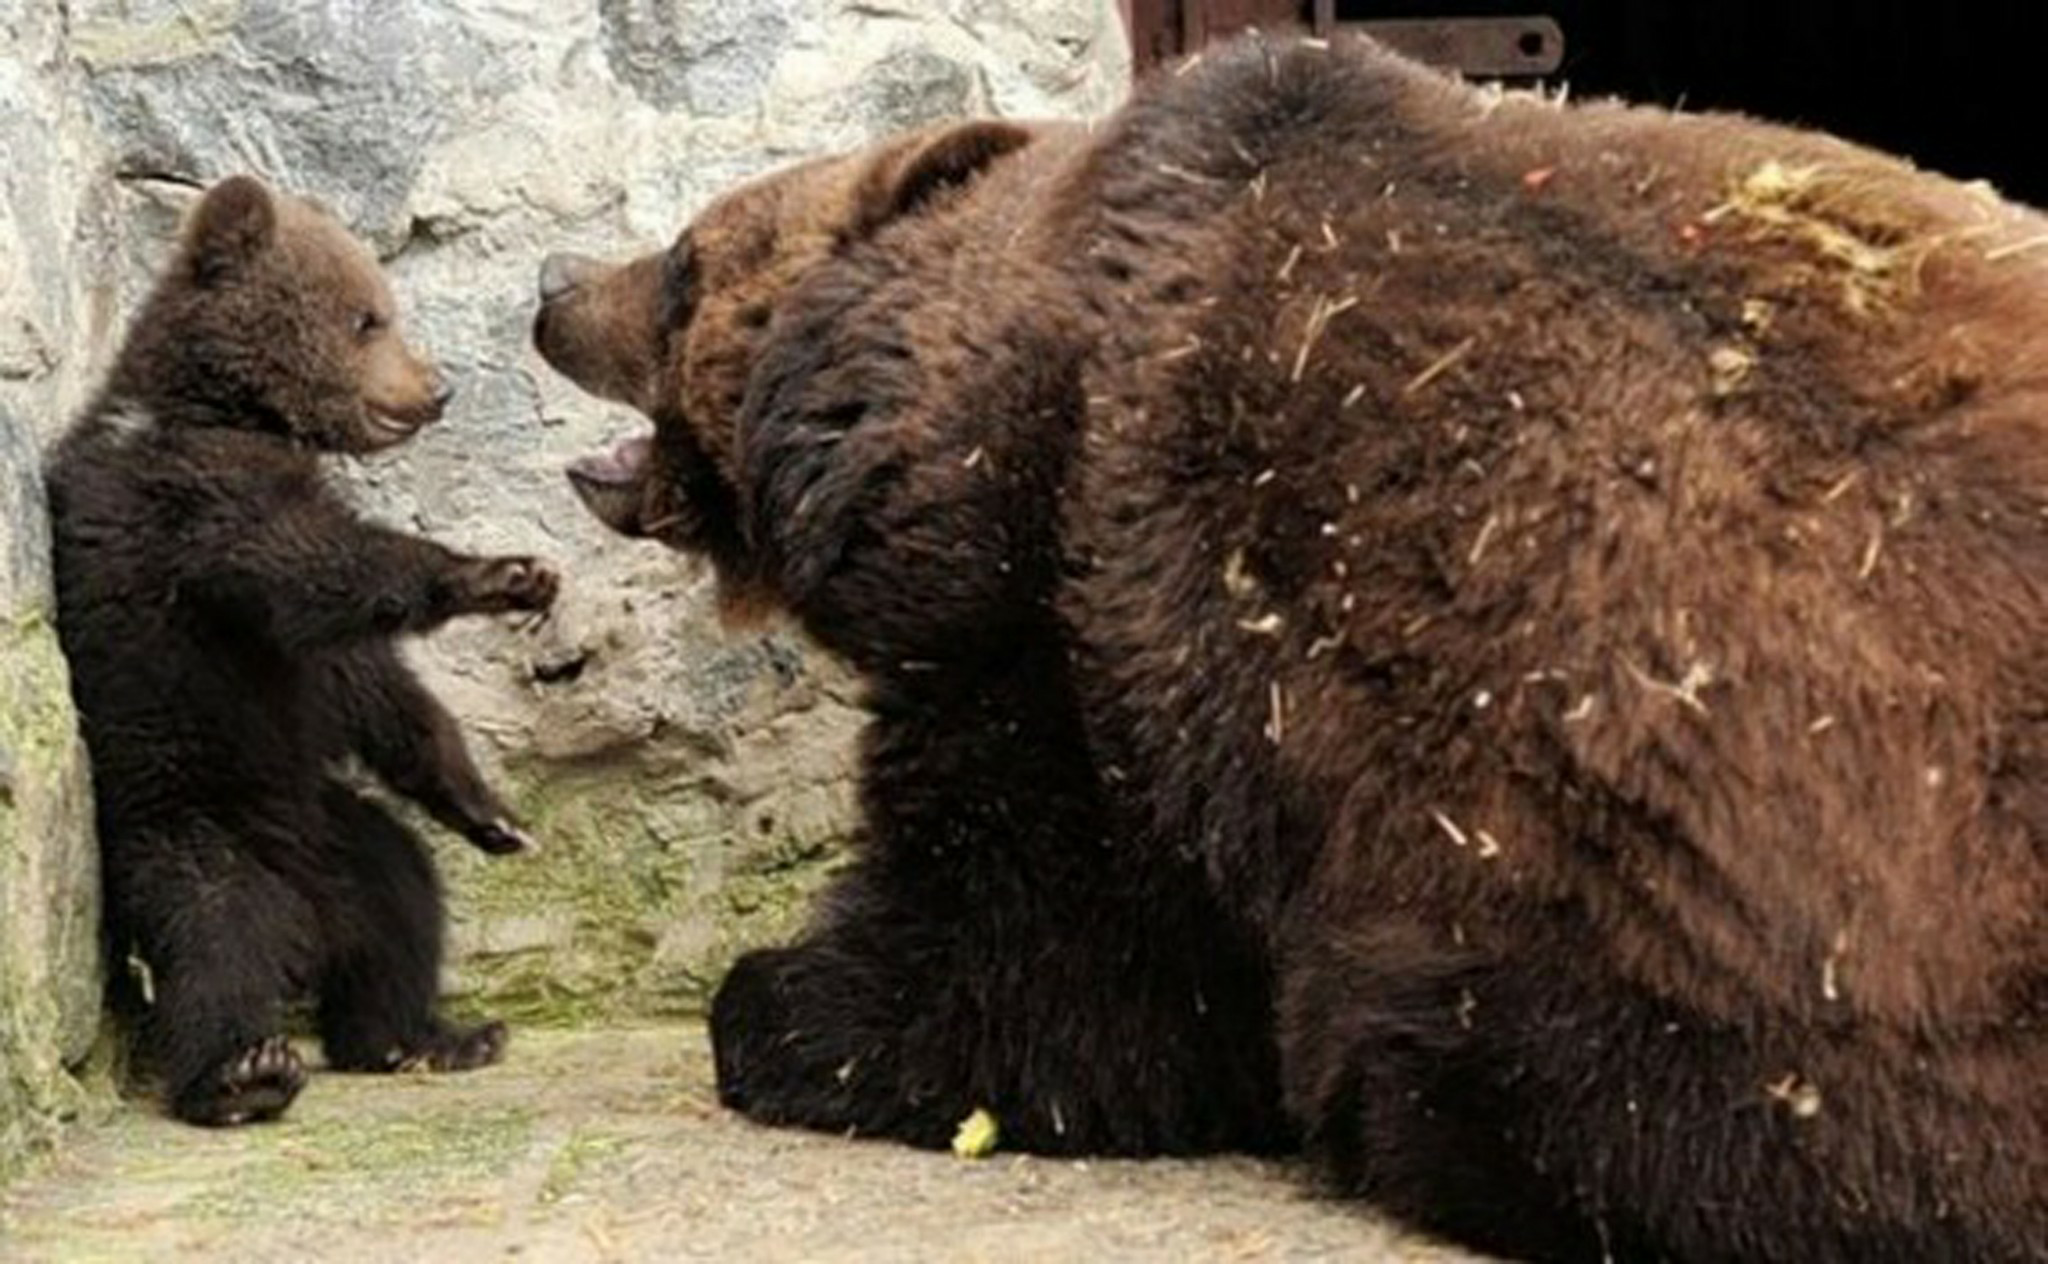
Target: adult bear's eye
{"points": [[368, 323], [678, 281]]}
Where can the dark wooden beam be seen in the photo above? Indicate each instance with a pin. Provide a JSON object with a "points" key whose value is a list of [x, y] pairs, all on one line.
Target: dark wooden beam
{"points": [[1154, 28], [1509, 47]]}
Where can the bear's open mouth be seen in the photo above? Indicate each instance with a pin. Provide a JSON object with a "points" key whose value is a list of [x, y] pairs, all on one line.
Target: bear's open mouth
{"points": [[612, 484], [390, 429]]}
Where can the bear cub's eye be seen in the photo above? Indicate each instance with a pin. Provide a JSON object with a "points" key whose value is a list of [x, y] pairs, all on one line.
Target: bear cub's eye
{"points": [[368, 323]]}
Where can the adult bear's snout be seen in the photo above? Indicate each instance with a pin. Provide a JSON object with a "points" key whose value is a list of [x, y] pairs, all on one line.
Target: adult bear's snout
{"points": [[562, 274]]}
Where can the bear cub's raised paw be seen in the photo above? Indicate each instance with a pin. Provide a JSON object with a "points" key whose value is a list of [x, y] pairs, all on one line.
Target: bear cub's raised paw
{"points": [[499, 585]]}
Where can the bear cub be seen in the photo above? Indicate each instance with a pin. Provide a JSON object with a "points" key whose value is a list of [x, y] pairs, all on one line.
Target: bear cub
{"points": [[232, 630]]}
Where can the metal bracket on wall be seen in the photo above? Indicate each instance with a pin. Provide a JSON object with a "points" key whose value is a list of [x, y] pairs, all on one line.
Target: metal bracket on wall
{"points": [[1525, 47], [1481, 48]]}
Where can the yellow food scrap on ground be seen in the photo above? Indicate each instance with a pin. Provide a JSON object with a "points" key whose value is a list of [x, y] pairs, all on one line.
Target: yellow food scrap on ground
{"points": [[977, 1136]]}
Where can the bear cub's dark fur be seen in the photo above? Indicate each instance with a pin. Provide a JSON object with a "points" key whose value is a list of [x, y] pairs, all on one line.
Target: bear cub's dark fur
{"points": [[231, 627]]}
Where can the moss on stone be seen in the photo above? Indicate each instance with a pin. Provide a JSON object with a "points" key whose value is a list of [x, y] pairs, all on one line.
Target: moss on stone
{"points": [[387, 1165], [587, 1151], [49, 988], [195, 29], [646, 887]]}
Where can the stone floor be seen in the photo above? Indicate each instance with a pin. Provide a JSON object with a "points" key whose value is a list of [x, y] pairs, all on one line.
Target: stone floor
{"points": [[609, 1146]]}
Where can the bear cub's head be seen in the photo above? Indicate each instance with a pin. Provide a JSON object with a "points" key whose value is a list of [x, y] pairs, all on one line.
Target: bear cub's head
{"points": [[675, 334], [272, 316]]}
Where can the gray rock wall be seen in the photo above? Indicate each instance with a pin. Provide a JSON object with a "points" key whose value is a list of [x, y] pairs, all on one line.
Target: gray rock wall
{"points": [[690, 784], [49, 910]]}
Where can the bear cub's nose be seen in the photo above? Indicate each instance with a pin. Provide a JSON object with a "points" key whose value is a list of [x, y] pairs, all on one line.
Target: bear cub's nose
{"points": [[562, 273]]}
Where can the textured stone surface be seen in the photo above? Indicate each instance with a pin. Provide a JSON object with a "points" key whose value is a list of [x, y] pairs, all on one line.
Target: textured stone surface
{"points": [[49, 906], [49, 942], [708, 57], [689, 783]]}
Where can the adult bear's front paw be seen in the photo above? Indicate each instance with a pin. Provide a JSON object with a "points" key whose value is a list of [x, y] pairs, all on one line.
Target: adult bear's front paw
{"points": [[749, 1020], [813, 1037]]}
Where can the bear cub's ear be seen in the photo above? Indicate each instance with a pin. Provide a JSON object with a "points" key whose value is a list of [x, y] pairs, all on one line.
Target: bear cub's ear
{"points": [[234, 223], [927, 165]]}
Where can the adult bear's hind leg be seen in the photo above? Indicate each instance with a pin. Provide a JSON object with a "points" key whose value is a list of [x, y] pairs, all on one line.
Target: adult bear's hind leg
{"points": [[1391, 1077]]}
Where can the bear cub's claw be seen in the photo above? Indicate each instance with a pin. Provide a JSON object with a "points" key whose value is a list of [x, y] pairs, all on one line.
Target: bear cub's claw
{"points": [[253, 1086], [501, 838]]}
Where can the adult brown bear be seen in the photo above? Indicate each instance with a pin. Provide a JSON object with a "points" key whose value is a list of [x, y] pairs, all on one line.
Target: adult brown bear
{"points": [[1502, 641]]}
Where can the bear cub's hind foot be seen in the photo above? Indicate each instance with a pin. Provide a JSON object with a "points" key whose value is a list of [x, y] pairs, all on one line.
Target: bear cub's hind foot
{"points": [[253, 1086], [450, 1048], [463, 1048]]}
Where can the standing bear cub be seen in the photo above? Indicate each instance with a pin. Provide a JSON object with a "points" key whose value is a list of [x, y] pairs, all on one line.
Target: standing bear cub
{"points": [[231, 629], [1506, 644]]}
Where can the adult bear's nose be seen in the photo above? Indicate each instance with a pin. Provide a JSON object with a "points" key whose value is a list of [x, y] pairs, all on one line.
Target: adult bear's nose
{"points": [[562, 273]]}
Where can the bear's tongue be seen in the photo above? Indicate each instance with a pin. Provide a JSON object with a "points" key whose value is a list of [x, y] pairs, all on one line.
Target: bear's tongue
{"points": [[611, 485], [624, 466]]}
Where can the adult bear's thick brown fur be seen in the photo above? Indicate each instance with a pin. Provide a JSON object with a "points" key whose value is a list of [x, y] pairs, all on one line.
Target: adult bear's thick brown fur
{"points": [[1504, 640], [231, 626]]}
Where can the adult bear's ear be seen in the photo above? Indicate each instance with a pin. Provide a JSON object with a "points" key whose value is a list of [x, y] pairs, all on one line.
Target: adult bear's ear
{"points": [[235, 221], [914, 171]]}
